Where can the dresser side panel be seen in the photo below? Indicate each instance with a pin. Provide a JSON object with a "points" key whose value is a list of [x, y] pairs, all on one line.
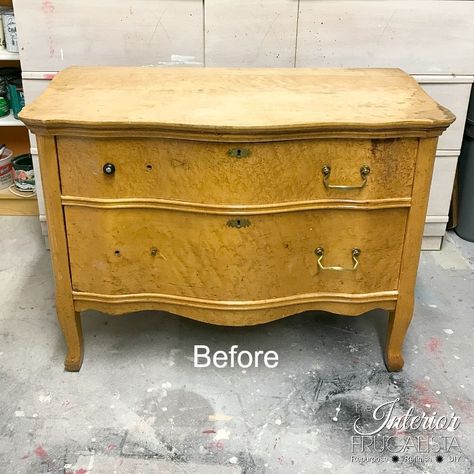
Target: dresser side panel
{"points": [[400, 318], [417, 214]]}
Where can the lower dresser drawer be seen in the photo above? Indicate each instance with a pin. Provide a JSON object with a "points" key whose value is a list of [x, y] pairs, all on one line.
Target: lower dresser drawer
{"points": [[234, 258]]}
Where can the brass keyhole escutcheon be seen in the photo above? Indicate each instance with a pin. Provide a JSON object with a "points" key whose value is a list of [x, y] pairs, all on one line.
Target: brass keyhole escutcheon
{"points": [[239, 153], [238, 223], [149, 167], [117, 253], [153, 251]]}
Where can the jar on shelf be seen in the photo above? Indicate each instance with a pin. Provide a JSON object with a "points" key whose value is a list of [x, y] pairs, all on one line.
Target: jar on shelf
{"points": [[9, 31]]}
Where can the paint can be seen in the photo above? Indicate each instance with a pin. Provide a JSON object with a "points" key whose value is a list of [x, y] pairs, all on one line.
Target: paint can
{"points": [[9, 30], [2, 34], [23, 173], [6, 169]]}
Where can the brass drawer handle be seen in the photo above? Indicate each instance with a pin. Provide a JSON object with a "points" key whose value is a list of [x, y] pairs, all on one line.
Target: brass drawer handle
{"points": [[355, 254], [364, 173], [238, 223]]}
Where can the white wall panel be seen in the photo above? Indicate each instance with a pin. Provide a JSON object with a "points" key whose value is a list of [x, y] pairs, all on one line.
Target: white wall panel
{"points": [[250, 33], [32, 88], [417, 36], [441, 185], [59, 33], [39, 185], [455, 97]]}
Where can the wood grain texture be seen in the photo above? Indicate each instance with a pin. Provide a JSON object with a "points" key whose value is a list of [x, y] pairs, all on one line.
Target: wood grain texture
{"points": [[235, 100], [400, 319], [203, 172], [69, 318], [199, 255]]}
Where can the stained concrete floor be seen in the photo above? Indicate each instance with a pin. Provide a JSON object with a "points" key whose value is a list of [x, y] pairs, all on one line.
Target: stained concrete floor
{"points": [[139, 406]]}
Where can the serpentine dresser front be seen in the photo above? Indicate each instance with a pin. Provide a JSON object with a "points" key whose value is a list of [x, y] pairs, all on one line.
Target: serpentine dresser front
{"points": [[235, 196]]}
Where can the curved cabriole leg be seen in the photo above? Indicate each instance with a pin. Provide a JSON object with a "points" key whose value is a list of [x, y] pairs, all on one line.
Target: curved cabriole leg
{"points": [[398, 323], [71, 324]]}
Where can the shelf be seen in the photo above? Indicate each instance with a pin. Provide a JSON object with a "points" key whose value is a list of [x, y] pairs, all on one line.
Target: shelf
{"points": [[12, 205], [7, 56], [10, 121]]}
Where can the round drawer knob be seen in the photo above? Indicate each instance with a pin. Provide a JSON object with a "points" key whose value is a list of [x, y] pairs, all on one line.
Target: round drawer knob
{"points": [[109, 169]]}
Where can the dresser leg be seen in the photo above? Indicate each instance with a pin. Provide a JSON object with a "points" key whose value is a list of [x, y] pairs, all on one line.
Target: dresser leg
{"points": [[72, 329], [398, 323]]}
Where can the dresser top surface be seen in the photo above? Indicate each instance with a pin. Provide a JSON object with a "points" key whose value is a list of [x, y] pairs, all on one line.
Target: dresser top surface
{"points": [[233, 100]]}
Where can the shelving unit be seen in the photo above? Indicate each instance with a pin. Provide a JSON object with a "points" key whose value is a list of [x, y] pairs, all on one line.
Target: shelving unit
{"points": [[15, 135], [7, 56], [12, 205], [10, 121]]}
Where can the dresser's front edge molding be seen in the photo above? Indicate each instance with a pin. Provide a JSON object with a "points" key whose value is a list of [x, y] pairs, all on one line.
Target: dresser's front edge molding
{"points": [[356, 303], [223, 134], [224, 209]]}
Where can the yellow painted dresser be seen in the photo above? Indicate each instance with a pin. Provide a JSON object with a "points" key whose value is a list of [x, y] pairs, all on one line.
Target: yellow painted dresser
{"points": [[235, 196]]}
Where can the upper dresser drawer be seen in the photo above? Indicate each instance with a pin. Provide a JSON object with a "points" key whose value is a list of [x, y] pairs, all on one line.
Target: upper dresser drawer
{"points": [[242, 173]]}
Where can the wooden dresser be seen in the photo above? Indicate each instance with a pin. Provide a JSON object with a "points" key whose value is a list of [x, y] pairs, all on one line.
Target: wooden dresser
{"points": [[235, 196]]}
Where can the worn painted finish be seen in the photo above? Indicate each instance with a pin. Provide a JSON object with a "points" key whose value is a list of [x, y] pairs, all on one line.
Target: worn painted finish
{"points": [[168, 245]]}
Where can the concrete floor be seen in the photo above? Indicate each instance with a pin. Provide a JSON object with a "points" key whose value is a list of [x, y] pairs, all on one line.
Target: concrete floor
{"points": [[139, 406]]}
